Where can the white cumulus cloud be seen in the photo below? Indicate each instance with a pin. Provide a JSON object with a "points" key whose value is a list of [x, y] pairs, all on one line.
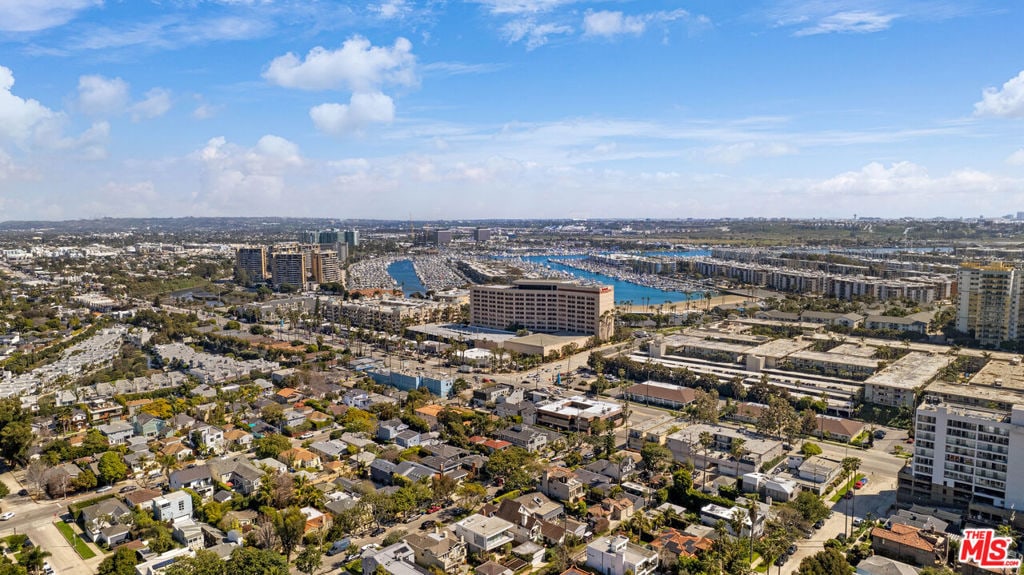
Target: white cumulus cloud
{"points": [[1016, 158], [156, 103], [363, 109], [35, 15], [608, 23], [19, 117], [101, 96], [358, 66], [1005, 102], [256, 177]]}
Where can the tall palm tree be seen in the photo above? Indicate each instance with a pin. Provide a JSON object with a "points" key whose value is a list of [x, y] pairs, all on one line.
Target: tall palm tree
{"points": [[706, 441]]}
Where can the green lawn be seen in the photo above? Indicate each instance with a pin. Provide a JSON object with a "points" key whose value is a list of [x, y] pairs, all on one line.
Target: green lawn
{"points": [[842, 490], [81, 547]]}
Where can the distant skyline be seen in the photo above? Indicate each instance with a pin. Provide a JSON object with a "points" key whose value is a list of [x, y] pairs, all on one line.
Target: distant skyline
{"points": [[447, 109]]}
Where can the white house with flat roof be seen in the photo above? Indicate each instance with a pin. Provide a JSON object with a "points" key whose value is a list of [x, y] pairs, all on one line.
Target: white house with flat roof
{"points": [[484, 534], [618, 556]]}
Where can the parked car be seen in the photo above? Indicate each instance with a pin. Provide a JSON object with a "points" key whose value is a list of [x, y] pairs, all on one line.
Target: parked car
{"points": [[127, 489], [378, 532], [848, 495], [879, 434], [7, 516], [433, 509], [339, 546], [819, 524], [791, 550], [781, 560], [428, 524], [104, 489]]}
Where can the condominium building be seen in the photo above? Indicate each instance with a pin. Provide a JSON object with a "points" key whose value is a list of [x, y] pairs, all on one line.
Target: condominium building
{"points": [[326, 266], [544, 306], [965, 457], [390, 314], [988, 304], [252, 261], [288, 269]]}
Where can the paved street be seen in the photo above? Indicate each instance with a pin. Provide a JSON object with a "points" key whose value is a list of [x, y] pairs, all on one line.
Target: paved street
{"points": [[36, 520]]}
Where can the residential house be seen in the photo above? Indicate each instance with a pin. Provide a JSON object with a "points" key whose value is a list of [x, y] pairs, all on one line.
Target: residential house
{"points": [[238, 472], [330, 450], [408, 438], [561, 484], [620, 470], [357, 398], [287, 395], [94, 518], [116, 432], [397, 559], [540, 506], [388, 430], [300, 458], [141, 498], [176, 449], [878, 565], [525, 436], [711, 514], [525, 527], [315, 520], [198, 479], [910, 544], [210, 436], [440, 550], [294, 417], [526, 411], [671, 544], [238, 439], [172, 506], [838, 428], [147, 425], [189, 533], [618, 556], [484, 534], [912, 323]]}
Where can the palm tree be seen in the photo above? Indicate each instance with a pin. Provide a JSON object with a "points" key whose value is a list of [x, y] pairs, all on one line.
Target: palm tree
{"points": [[32, 559], [850, 466], [706, 441]]}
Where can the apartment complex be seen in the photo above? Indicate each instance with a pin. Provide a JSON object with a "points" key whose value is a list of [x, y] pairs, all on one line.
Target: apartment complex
{"points": [[988, 304], [544, 306], [288, 268], [964, 456], [252, 261], [390, 314]]}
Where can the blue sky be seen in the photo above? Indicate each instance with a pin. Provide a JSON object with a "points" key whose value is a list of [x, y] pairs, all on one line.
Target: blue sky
{"points": [[511, 108]]}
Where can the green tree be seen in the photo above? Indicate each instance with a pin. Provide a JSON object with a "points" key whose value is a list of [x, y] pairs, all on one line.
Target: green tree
{"points": [[655, 456], [85, 480], [32, 559], [112, 468], [4, 491], [290, 525], [15, 439], [250, 561], [122, 562], [517, 466], [271, 445], [203, 563], [310, 559], [810, 506], [827, 562], [810, 449]]}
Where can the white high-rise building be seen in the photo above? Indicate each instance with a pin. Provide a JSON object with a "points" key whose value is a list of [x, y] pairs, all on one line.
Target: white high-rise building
{"points": [[967, 457], [988, 303]]}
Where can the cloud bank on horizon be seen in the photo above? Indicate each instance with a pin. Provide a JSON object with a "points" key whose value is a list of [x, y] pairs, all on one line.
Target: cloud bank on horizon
{"points": [[511, 108]]}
